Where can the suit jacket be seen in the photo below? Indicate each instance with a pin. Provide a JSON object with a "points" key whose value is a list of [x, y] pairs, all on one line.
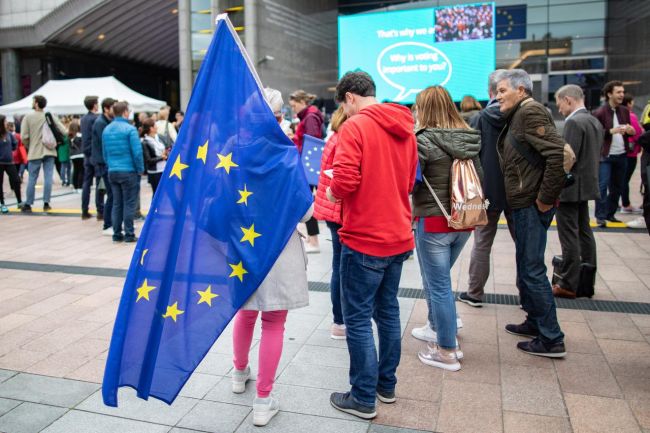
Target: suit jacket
{"points": [[584, 133]]}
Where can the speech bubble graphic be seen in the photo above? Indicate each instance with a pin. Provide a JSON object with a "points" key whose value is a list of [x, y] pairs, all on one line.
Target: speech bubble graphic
{"points": [[410, 67]]}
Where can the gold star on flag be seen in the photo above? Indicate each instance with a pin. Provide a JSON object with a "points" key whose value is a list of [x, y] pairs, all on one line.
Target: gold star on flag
{"points": [[173, 311], [238, 271], [143, 291], [178, 168], [249, 234], [206, 296], [202, 152], [225, 162], [244, 195], [144, 253]]}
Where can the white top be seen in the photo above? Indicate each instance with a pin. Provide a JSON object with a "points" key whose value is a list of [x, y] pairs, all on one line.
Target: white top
{"points": [[160, 127], [159, 149], [618, 145]]}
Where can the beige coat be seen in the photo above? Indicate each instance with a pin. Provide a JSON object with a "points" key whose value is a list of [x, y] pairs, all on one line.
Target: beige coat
{"points": [[285, 286], [31, 132]]}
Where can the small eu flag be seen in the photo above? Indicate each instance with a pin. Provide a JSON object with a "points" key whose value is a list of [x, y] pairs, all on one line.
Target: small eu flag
{"points": [[312, 151], [511, 22], [231, 195]]}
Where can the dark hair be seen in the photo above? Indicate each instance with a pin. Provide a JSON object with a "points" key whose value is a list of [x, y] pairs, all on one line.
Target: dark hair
{"points": [[40, 101], [3, 130], [120, 108], [609, 87], [146, 127], [358, 82], [107, 103], [90, 102], [628, 98]]}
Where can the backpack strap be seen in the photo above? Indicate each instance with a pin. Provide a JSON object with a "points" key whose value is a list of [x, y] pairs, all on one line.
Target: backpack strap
{"points": [[435, 196]]}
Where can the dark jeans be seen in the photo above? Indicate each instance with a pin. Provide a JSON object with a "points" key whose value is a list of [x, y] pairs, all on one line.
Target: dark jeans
{"points": [[369, 287], [101, 172], [611, 175], [125, 188], [312, 223], [577, 242], [154, 180], [335, 282], [629, 171], [14, 181], [646, 191], [535, 290], [78, 173]]}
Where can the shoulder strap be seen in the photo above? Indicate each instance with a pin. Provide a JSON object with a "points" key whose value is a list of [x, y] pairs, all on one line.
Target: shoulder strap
{"points": [[433, 193], [533, 157]]}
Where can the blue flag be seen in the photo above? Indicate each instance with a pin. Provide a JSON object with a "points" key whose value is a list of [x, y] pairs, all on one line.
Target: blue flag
{"points": [[511, 22], [231, 195], [312, 151]]}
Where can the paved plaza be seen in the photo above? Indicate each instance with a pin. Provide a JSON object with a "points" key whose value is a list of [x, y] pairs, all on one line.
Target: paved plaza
{"points": [[60, 284]]}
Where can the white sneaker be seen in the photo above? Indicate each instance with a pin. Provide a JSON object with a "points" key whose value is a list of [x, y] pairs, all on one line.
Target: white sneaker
{"points": [[459, 323], [638, 223], [631, 209], [107, 232], [436, 357], [264, 409], [337, 332], [239, 379], [425, 333]]}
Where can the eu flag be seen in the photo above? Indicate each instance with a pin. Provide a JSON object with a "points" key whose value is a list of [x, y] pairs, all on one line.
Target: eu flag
{"points": [[511, 22], [312, 151], [231, 195]]}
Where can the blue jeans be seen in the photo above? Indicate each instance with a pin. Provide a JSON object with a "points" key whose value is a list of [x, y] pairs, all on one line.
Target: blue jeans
{"points": [[369, 287], [437, 253], [335, 281], [34, 168], [611, 175], [66, 171], [101, 172], [537, 300], [125, 189]]}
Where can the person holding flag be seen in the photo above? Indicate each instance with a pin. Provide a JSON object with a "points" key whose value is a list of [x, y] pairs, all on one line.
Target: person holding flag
{"points": [[208, 241]]}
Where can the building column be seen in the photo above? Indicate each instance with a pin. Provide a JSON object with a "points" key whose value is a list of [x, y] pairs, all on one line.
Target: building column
{"points": [[185, 51], [250, 30], [11, 88]]}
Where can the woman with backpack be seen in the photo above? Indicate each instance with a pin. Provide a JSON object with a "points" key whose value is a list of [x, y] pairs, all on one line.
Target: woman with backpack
{"points": [[8, 144], [442, 136], [76, 155], [154, 152]]}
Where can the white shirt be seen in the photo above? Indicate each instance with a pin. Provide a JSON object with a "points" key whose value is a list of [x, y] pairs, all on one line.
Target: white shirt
{"points": [[160, 126], [159, 149], [618, 145]]}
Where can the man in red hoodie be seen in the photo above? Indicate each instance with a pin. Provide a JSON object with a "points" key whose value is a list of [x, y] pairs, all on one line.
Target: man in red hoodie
{"points": [[374, 171]]}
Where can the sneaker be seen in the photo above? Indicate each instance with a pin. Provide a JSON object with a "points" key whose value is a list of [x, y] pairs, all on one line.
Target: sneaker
{"points": [[631, 209], [337, 332], [86, 216], [522, 330], [118, 239], [459, 323], [387, 397], [472, 302], [601, 223], [434, 356], [425, 333], [614, 220], [130, 239], [239, 379], [344, 402], [310, 249], [20, 205], [638, 223], [538, 348], [47, 207], [26, 209], [107, 231], [264, 409], [4, 209]]}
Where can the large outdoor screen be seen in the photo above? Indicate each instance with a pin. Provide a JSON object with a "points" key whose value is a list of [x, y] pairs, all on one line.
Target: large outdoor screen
{"points": [[407, 51]]}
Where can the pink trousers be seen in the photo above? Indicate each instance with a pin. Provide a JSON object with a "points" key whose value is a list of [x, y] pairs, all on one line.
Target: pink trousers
{"points": [[270, 345]]}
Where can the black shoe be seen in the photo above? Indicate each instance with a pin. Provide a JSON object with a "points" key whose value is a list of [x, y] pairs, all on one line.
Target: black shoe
{"points": [[100, 216], [86, 216], [473, 302], [601, 223], [130, 239], [47, 207], [386, 396], [118, 238], [614, 220], [538, 348], [26, 209], [344, 402], [523, 330]]}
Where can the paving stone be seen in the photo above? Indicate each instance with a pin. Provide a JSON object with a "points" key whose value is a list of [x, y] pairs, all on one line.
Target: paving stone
{"points": [[480, 364], [578, 338], [199, 385], [614, 326], [30, 418], [215, 417], [308, 401], [218, 364], [325, 356], [92, 371], [416, 381], [378, 428], [46, 390], [287, 422], [532, 390], [600, 414], [641, 410], [6, 374], [517, 422], [470, 407], [510, 355], [321, 337], [627, 358], [479, 329], [77, 421], [576, 374], [6, 405], [315, 377], [412, 414], [183, 430], [14, 320], [222, 392], [132, 407], [634, 387], [20, 360]]}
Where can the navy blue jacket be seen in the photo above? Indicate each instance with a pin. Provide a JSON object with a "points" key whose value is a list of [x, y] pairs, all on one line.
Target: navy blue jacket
{"points": [[96, 156], [122, 147], [86, 123], [490, 123], [8, 144]]}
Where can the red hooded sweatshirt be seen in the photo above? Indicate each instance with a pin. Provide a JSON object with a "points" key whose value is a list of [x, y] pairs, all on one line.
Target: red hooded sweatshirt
{"points": [[374, 172]]}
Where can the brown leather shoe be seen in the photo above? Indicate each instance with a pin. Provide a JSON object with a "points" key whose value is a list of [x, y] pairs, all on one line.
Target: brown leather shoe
{"points": [[560, 292]]}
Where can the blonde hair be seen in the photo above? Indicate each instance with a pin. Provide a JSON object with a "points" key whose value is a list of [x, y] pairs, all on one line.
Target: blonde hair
{"points": [[469, 103], [302, 96], [338, 117], [437, 110]]}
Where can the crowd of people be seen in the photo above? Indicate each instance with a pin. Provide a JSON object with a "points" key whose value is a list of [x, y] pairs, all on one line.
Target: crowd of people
{"points": [[462, 23]]}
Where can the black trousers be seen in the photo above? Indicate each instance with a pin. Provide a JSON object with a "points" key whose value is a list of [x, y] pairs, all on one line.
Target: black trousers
{"points": [[78, 173], [14, 181], [646, 192], [312, 223], [577, 241], [154, 180]]}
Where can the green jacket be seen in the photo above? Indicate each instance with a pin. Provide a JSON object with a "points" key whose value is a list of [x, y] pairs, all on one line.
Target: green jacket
{"points": [[437, 149], [63, 151], [532, 125]]}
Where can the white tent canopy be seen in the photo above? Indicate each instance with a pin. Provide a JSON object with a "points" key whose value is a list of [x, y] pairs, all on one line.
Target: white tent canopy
{"points": [[67, 96]]}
